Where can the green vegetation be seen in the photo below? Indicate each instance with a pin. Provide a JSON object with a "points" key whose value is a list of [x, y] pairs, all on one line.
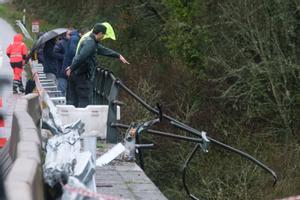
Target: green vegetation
{"points": [[9, 13], [230, 68]]}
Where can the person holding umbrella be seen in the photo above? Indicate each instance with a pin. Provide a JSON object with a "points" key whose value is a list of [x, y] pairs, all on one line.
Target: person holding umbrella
{"points": [[50, 60], [80, 72], [59, 53], [46, 42]]}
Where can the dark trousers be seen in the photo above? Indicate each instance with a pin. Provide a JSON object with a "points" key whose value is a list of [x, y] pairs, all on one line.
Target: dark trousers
{"points": [[79, 90], [17, 69], [17, 83]]}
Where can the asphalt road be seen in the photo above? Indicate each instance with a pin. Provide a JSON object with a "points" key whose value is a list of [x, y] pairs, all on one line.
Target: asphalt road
{"points": [[4, 1], [6, 36]]}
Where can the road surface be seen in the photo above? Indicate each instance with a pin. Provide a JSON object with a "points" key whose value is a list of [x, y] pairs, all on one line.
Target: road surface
{"points": [[6, 37], [4, 1]]}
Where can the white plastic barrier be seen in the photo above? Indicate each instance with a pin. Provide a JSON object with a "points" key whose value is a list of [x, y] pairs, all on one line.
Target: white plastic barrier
{"points": [[50, 88], [58, 100], [93, 116]]}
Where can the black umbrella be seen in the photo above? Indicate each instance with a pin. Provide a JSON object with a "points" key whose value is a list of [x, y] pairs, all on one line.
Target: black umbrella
{"points": [[48, 36]]}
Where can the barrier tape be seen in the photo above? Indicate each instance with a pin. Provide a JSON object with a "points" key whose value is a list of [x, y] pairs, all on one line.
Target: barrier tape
{"points": [[88, 193], [35, 77], [3, 139], [291, 198]]}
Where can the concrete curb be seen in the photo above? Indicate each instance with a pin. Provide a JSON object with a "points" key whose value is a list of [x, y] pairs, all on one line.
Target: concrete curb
{"points": [[25, 178]]}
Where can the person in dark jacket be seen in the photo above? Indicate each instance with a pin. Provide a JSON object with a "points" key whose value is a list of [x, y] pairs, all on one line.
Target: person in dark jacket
{"points": [[59, 53], [83, 64], [73, 40], [39, 51], [50, 61], [72, 37], [40, 55]]}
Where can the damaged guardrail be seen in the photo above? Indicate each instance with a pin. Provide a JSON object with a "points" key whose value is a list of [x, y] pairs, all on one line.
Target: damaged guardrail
{"points": [[66, 164], [67, 168], [62, 150], [23, 29], [106, 88]]}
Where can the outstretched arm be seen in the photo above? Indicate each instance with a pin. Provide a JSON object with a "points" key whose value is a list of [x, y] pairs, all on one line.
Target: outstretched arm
{"points": [[124, 60], [102, 50]]}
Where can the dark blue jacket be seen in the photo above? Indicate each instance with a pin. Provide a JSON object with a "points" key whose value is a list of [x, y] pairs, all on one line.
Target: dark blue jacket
{"points": [[70, 51], [50, 61], [59, 52], [40, 50], [40, 55]]}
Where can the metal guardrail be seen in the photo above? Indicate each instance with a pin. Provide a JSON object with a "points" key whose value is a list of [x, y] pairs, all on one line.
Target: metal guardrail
{"points": [[64, 156], [106, 88], [24, 30], [105, 92]]}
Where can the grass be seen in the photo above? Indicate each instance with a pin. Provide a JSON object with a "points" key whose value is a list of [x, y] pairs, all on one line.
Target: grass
{"points": [[217, 174], [10, 14], [101, 145]]}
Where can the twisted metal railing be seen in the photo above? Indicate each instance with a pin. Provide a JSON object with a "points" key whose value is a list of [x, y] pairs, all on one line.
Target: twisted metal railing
{"points": [[105, 91]]}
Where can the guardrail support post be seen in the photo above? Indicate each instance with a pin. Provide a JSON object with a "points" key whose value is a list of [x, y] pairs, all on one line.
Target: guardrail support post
{"points": [[112, 132], [105, 92]]}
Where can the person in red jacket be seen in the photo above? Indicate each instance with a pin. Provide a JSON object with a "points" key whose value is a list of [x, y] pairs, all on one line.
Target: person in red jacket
{"points": [[17, 52]]}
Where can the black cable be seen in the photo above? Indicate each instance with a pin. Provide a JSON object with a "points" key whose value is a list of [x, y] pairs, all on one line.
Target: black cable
{"points": [[191, 130], [197, 133], [185, 165]]}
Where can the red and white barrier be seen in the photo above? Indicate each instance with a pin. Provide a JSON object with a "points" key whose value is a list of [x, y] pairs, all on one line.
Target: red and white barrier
{"points": [[3, 138]]}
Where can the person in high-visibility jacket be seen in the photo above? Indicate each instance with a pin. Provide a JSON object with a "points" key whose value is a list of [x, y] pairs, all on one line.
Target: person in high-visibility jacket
{"points": [[81, 72], [17, 52]]}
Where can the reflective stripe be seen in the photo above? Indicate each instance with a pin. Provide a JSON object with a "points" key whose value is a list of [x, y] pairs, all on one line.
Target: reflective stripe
{"points": [[15, 55], [81, 40]]}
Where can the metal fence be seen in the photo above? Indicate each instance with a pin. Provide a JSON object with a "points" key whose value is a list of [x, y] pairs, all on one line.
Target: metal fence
{"points": [[105, 92]]}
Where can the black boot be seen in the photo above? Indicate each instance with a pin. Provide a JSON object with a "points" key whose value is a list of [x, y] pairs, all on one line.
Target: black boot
{"points": [[15, 86], [21, 88]]}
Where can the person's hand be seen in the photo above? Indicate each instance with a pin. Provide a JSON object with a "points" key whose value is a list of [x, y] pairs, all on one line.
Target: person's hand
{"points": [[68, 71], [124, 60]]}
